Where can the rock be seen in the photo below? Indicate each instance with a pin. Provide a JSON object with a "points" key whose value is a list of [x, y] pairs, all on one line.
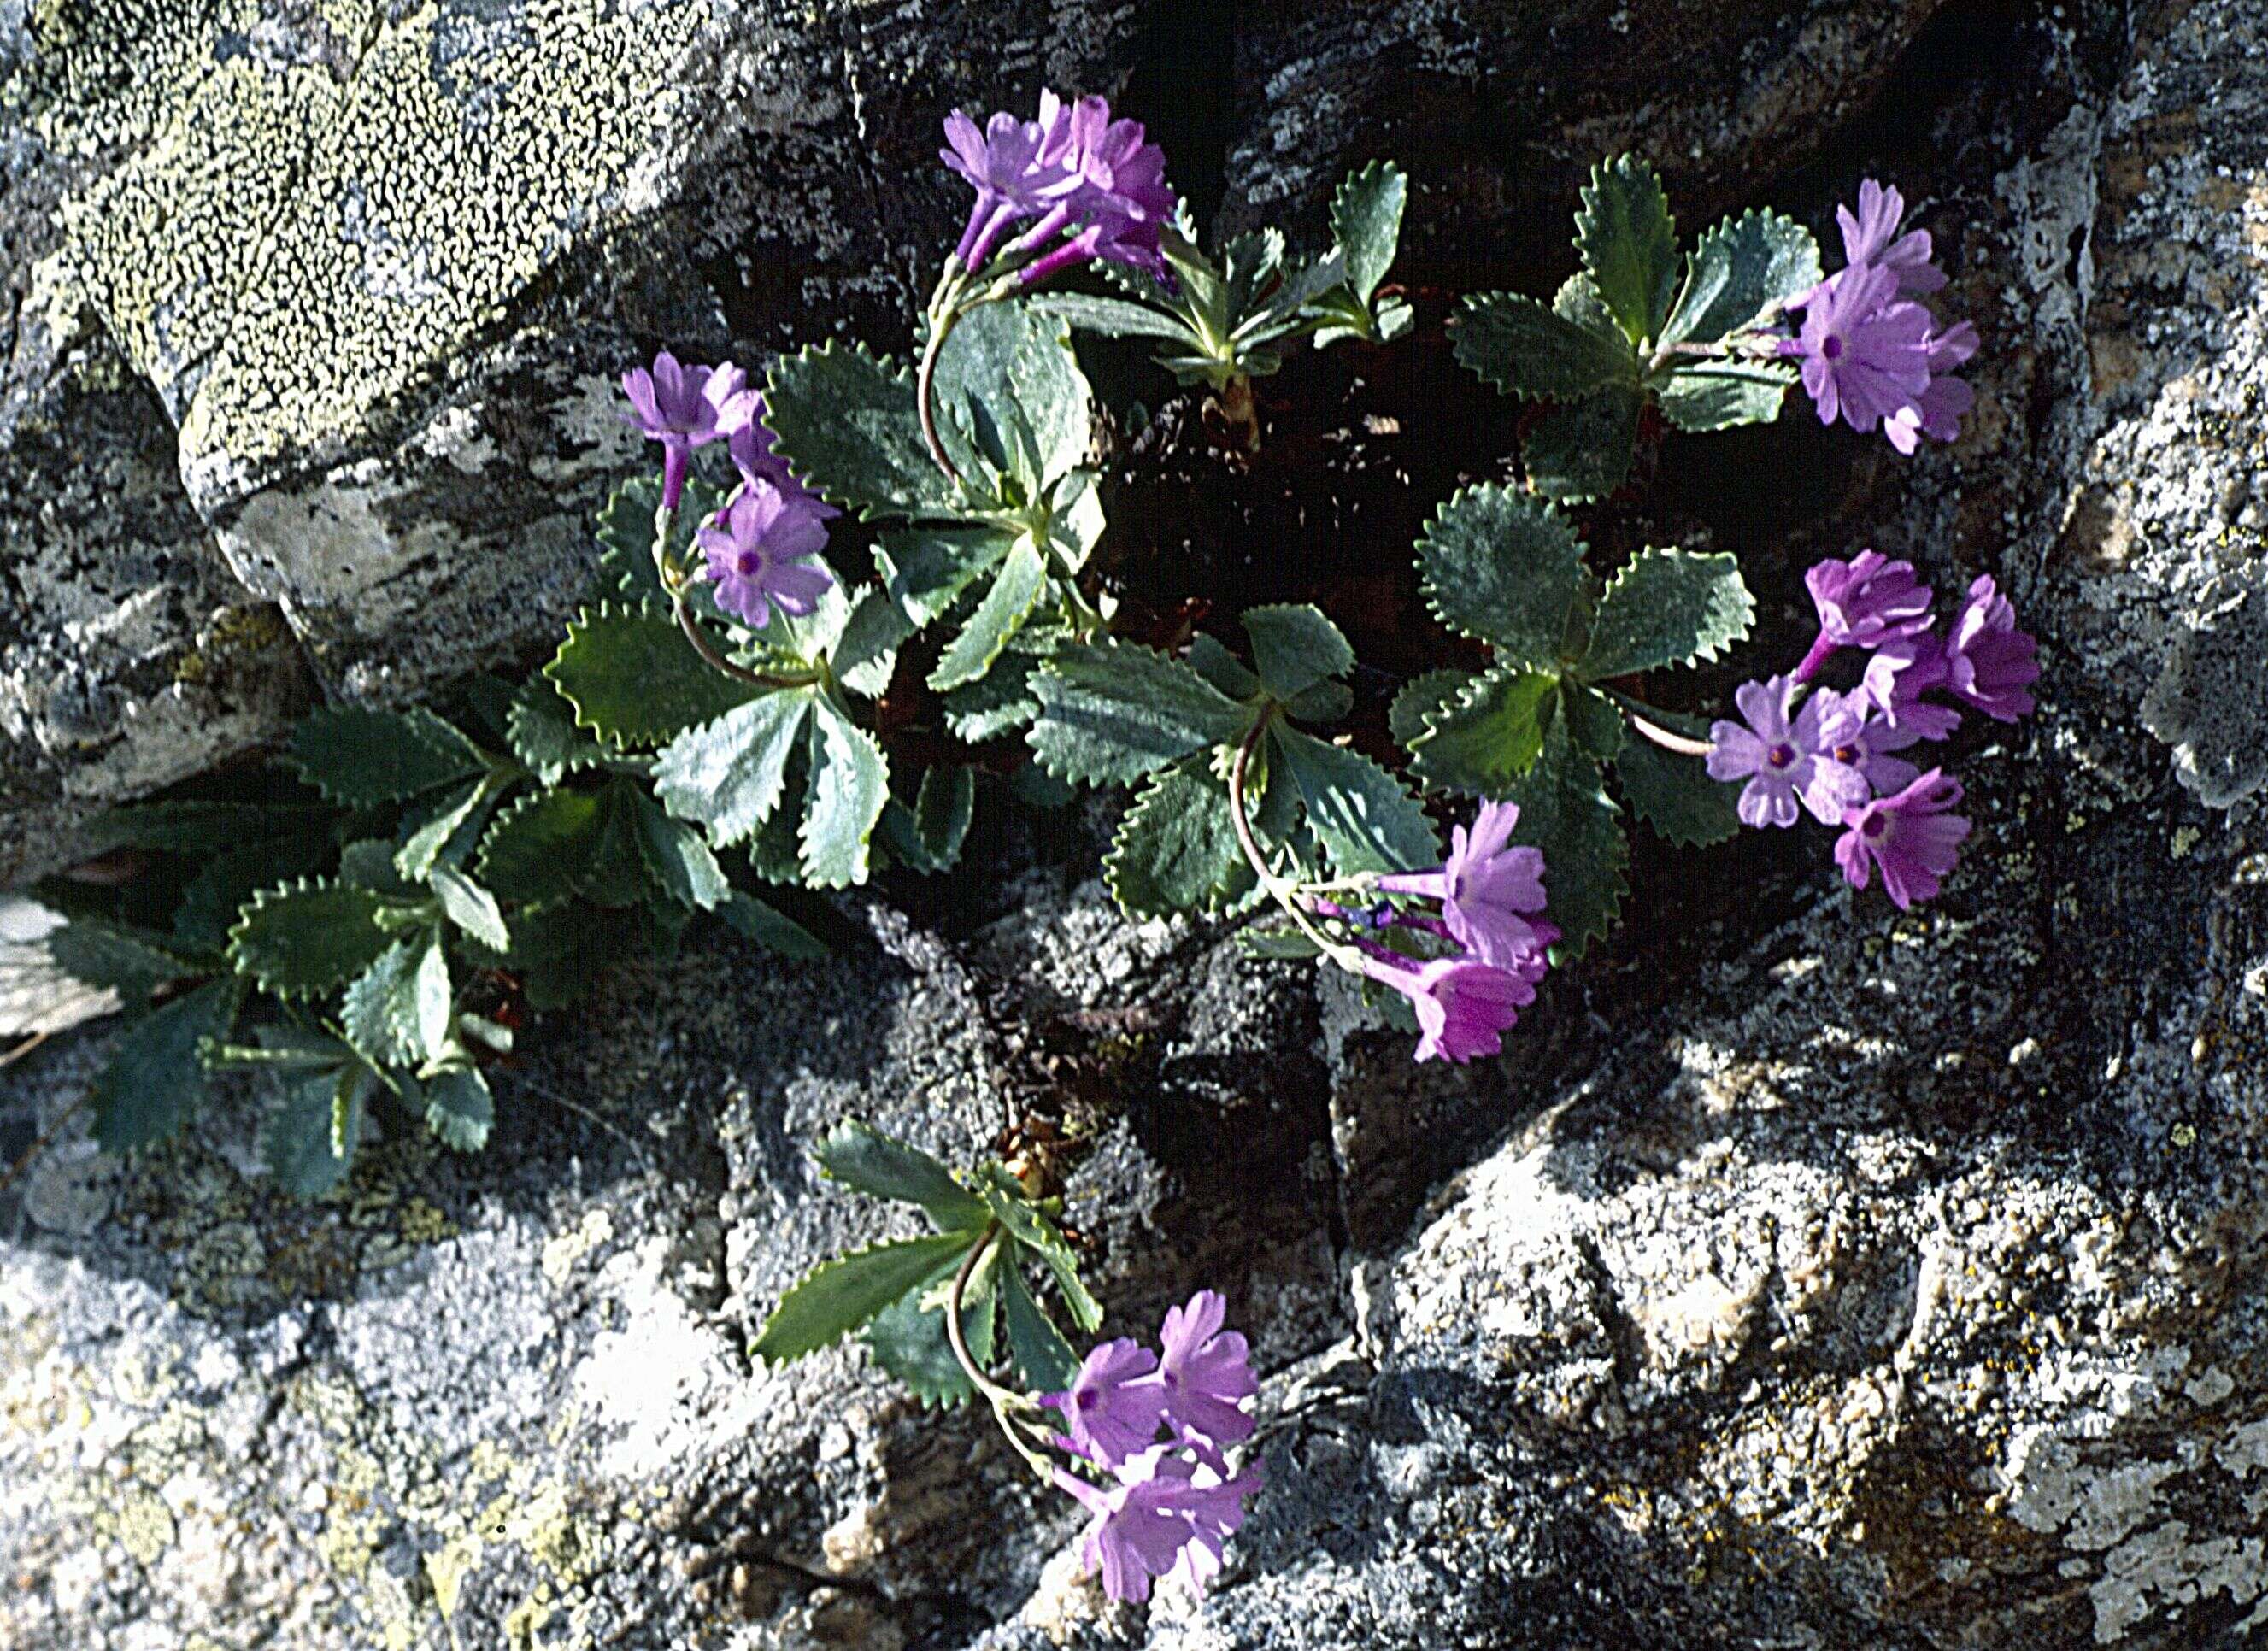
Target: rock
{"points": [[1500, 109]]}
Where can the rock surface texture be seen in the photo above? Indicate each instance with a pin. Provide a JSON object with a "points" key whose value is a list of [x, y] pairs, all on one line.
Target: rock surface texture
{"points": [[1812, 1276]]}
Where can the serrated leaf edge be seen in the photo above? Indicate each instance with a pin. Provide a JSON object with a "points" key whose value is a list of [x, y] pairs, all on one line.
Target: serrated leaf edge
{"points": [[267, 898], [1678, 553]]}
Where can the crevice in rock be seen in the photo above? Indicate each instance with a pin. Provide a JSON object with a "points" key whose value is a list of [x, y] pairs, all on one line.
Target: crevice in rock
{"points": [[1183, 89]]}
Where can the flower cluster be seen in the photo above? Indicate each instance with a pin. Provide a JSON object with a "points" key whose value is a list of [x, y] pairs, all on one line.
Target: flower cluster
{"points": [[1489, 893], [1870, 352], [1833, 753], [1072, 169], [1165, 1505], [760, 550]]}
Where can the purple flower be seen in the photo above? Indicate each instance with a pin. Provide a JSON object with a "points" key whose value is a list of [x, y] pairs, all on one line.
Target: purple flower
{"points": [[1463, 1007], [1865, 350], [1113, 1407], [750, 443], [1865, 741], [1203, 1373], [1114, 186], [1486, 887], [683, 408], [1909, 836], [1940, 409], [1900, 674], [1016, 166], [1862, 603], [1785, 758], [1988, 661], [758, 556], [1165, 1516], [1870, 236], [1215, 1507]]}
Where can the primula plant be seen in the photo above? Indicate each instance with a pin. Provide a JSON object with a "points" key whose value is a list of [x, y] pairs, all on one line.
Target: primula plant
{"points": [[845, 548]]}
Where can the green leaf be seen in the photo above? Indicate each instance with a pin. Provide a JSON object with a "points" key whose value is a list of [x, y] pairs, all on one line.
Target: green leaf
{"points": [[1366, 223], [999, 702], [908, 1338], [1593, 722], [396, 1011], [1526, 348], [1113, 318], [459, 1108], [943, 809], [544, 848], [1718, 394], [363, 757], [729, 775], [134, 961], [1010, 396], [449, 829], [541, 730], [1629, 245], [1564, 811], [1738, 270], [1668, 607], [1294, 647], [679, 860], [309, 1143], [1109, 715], [1075, 518], [195, 828], [155, 1075], [849, 783], [927, 568], [1675, 795], [838, 1296], [866, 654], [1043, 1359], [561, 950], [217, 893], [847, 426], [752, 919], [471, 908], [626, 562], [1209, 659], [633, 678], [1004, 1195], [1022, 576], [1360, 813], [1176, 848], [1482, 741], [308, 937], [862, 1157], [368, 863], [1421, 696], [1503, 568], [1582, 451]]}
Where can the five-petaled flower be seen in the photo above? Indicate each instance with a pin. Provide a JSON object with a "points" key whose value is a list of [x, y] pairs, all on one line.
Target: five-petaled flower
{"points": [[1787, 758], [1871, 355], [683, 408], [1911, 835], [1489, 890], [1464, 1007], [1113, 1407], [1163, 1515], [1862, 603], [1204, 1373], [1988, 662], [759, 555]]}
